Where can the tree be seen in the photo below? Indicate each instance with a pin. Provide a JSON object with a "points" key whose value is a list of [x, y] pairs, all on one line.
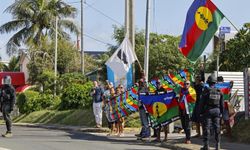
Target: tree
{"points": [[236, 57], [164, 55], [42, 59], [34, 21], [13, 65]]}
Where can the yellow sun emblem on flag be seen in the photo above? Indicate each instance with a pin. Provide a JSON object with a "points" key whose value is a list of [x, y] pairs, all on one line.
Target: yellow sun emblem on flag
{"points": [[203, 17], [159, 109], [129, 101]]}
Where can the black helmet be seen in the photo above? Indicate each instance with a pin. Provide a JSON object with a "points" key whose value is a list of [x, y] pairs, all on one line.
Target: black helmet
{"points": [[6, 80], [220, 79], [211, 79]]}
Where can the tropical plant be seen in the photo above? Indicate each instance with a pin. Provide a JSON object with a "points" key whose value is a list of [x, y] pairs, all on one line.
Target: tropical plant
{"points": [[13, 65], [77, 96], [34, 21]]}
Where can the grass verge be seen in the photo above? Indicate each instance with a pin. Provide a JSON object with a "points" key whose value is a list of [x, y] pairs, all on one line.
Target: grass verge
{"points": [[70, 117]]}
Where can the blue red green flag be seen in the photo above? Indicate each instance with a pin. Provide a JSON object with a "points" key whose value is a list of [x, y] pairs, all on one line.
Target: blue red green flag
{"points": [[202, 21], [163, 107]]}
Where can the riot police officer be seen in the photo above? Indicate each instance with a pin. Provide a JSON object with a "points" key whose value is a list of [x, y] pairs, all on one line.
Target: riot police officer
{"points": [[211, 111], [8, 98]]}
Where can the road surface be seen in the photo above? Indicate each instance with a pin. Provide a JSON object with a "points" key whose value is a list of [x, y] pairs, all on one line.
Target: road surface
{"points": [[45, 139]]}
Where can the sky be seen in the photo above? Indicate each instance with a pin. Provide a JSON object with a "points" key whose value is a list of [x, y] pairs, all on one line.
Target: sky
{"points": [[167, 17]]}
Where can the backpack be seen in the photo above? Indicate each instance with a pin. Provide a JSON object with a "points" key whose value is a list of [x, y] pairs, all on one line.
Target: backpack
{"points": [[214, 97]]}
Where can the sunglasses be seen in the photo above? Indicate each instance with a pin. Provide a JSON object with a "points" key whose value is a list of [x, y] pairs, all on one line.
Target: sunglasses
{"points": [[187, 83]]}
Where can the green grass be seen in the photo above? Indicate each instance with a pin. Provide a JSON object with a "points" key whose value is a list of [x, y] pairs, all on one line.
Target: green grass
{"points": [[240, 131], [70, 117]]}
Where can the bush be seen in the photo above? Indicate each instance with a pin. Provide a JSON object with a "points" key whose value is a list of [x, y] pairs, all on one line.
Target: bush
{"points": [[71, 78], [26, 101], [30, 101], [76, 96]]}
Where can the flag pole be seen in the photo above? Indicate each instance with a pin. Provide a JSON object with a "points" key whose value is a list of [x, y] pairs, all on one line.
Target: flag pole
{"points": [[146, 54], [237, 30], [232, 24]]}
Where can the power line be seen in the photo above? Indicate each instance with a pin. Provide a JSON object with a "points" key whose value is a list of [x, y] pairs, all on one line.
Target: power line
{"points": [[99, 11], [102, 13], [98, 40]]}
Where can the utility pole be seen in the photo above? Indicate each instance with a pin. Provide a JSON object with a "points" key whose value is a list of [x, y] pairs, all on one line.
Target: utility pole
{"points": [[146, 53], [126, 17], [55, 62], [131, 23], [82, 44], [130, 27]]}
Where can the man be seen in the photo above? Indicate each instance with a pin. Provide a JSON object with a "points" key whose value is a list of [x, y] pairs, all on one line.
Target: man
{"points": [[187, 96], [145, 130], [198, 86], [211, 111], [97, 94], [8, 99]]}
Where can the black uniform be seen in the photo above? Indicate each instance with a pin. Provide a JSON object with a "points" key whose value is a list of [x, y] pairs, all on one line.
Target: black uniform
{"points": [[8, 99], [211, 110], [196, 114]]}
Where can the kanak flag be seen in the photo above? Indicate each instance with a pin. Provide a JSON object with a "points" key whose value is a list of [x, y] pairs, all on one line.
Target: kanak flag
{"points": [[202, 21]]}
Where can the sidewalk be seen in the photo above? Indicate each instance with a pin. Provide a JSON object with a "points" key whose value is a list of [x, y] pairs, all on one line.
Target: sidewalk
{"points": [[175, 140]]}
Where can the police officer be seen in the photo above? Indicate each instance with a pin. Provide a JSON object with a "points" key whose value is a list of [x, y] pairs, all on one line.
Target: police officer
{"points": [[8, 98], [211, 111]]}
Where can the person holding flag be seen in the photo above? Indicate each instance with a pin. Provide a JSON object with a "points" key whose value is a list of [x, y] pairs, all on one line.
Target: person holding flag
{"points": [[186, 104]]}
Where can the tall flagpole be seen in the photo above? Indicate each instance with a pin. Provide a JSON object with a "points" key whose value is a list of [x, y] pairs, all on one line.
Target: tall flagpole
{"points": [[82, 44], [55, 62], [146, 53]]}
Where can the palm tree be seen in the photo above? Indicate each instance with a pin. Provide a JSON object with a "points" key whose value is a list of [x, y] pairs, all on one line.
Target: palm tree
{"points": [[13, 65], [34, 20]]}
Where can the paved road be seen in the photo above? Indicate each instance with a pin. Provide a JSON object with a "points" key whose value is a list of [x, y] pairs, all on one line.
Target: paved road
{"points": [[45, 139]]}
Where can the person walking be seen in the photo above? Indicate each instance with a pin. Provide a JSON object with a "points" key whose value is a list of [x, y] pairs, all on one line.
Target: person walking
{"points": [[211, 111], [8, 99], [97, 94], [187, 96]]}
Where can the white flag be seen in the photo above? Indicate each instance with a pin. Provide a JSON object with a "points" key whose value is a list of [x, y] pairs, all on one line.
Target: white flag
{"points": [[122, 58]]}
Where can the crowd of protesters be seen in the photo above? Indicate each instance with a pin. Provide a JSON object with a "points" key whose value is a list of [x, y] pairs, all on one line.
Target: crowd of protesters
{"points": [[102, 97]]}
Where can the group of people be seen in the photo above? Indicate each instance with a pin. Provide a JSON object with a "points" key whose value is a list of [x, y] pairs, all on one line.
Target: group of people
{"points": [[207, 111], [101, 98]]}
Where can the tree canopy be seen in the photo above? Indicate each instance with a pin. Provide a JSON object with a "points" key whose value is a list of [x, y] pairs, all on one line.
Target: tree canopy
{"points": [[34, 21]]}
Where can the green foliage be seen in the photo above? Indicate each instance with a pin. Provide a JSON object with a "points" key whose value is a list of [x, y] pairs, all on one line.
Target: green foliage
{"points": [[68, 117], [69, 78], [236, 57], [46, 80], [26, 102], [77, 96], [30, 101], [68, 59], [13, 65], [34, 21]]}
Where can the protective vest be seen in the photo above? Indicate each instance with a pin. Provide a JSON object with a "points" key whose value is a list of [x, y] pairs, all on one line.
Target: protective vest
{"points": [[214, 98]]}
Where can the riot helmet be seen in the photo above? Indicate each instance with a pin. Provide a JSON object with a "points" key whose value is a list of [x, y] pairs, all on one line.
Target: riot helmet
{"points": [[6, 80], [220, 79], [211, 79]]}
